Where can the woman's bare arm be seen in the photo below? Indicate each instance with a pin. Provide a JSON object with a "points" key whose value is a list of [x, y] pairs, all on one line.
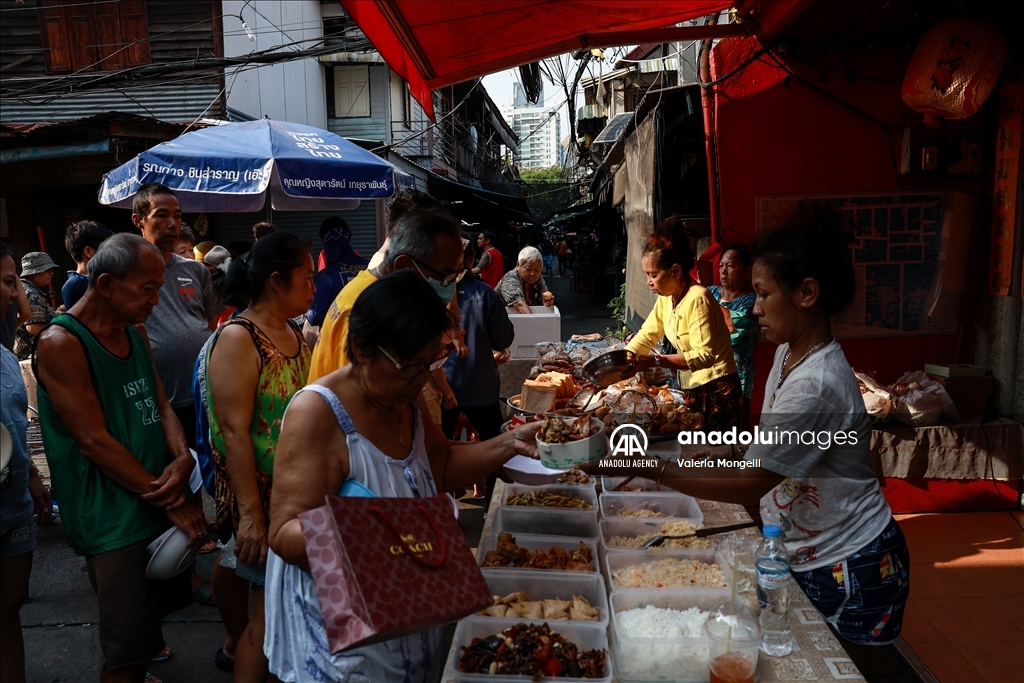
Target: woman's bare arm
{"points": [[311, 463], [456, 465], [233, 374]]}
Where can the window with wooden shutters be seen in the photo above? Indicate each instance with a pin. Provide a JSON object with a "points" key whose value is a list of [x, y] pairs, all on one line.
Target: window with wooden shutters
{"points": [[94, 36], [351, 91]]}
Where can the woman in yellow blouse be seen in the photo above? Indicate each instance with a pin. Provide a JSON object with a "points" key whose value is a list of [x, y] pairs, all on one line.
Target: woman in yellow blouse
{"points": [[692, 320]]}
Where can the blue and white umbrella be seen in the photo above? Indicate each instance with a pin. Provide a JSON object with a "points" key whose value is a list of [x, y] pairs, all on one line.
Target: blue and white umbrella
{"points": [[232, 167]]}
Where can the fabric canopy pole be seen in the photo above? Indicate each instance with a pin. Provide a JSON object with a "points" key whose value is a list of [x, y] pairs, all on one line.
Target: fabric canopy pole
{"points": [[435, 44]]}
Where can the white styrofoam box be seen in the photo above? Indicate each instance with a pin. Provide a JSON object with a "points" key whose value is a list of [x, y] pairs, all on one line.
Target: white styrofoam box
{"points": [[544, 324]]}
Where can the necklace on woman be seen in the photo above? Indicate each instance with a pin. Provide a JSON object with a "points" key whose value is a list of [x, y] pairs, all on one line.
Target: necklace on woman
{"points": [[785, 359]]}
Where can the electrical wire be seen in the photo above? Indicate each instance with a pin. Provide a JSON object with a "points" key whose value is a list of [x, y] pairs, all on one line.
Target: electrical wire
{"points": [[433, 125]]}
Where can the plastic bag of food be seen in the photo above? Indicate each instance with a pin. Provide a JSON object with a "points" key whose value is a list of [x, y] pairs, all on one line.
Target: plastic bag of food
{"points": [[878, 400], [918, 409], [920, 381]]}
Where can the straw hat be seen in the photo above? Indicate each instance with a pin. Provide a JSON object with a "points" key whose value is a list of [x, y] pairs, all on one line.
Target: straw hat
{"points": [[36, 262]]}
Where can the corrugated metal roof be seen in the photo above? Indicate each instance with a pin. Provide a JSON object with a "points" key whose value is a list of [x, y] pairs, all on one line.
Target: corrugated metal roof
{"points": [[166, 103], [25, 128]]}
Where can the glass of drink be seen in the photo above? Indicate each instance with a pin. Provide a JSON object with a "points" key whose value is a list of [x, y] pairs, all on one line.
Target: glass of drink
{"points": [[732, 647]]}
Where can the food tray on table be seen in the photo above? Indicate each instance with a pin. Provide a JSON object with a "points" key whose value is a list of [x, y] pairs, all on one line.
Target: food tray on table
{"points": [[533, 543], [678, 658], [622, 559], [631, 527], [635, 485], [585, 635], [547, 586], [546, 521], [586, 494], [661, 505]]}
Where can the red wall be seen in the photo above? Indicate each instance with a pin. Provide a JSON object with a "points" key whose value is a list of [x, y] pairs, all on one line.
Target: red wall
{"points": [[779, 138]]}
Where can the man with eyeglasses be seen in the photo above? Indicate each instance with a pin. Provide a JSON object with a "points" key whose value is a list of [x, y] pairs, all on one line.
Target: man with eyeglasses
{"points": [[429, 243]]}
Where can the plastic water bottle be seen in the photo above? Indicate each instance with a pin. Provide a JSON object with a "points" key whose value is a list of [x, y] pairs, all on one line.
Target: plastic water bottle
{"points": [[773, 579]]}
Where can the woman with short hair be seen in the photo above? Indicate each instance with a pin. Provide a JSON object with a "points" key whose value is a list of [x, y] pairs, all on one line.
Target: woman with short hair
{"points": [[524, 286], [690, 317], [361, 431]]}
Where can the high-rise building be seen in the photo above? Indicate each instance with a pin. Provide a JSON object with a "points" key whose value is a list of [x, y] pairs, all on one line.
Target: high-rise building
{"points": [[539, 130]]}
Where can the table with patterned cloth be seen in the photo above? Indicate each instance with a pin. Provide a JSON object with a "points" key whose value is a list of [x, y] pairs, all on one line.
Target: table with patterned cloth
{"points": [[817, 654]]}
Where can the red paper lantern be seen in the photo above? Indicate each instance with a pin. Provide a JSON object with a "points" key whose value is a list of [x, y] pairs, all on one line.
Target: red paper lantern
{"points": [[954, 69]]}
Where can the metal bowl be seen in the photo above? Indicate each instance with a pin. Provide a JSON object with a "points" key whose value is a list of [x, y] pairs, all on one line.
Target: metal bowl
{"points": [[609, 368]]}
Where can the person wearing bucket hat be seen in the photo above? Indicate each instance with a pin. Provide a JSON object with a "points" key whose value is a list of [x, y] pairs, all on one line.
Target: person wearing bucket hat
{"points": [[341, 265], [36, 275]]}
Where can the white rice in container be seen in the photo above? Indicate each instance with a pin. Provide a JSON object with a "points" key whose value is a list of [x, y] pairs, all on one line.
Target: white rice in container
{"points": [[681, 654]]}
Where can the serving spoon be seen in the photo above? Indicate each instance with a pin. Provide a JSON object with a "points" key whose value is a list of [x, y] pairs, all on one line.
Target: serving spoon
{"points": [[699, 533]]}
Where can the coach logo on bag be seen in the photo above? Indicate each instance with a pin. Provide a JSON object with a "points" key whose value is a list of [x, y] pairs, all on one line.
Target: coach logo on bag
{"points": [[414, 548]]}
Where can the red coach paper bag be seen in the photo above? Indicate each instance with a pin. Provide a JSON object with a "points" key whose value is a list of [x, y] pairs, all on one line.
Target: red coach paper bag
{"points": [[388, 567]]}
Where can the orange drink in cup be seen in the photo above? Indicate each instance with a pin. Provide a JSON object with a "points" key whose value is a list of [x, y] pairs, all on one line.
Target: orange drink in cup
{"points": [[732, 647]]}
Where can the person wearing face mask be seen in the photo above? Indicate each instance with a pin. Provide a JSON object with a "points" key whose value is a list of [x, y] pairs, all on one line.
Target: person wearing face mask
{"points": [[524, 286], [429, 243], [341, 265]]}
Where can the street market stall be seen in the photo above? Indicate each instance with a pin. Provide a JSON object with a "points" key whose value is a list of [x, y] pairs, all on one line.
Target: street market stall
{"points": [[817, 654]]}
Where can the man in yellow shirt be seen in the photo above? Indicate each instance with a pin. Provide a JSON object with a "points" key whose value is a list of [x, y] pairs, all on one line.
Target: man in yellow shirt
{"points": [[430, 243]]}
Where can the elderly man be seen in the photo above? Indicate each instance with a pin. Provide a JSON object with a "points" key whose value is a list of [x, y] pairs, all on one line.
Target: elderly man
{"points": [[523, 286], [117, 454], [188, 307], [428, 242]]}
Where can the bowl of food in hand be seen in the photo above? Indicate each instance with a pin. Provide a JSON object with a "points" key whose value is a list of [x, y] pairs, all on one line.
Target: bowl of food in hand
{"points": [[564, 443]]}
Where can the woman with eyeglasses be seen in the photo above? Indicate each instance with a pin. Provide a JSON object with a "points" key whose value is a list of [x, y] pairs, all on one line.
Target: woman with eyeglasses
{"points": [[361, 430]]}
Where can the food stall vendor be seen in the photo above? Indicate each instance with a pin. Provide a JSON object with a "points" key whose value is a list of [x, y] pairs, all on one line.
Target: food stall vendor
{"points": [[690, 317]]}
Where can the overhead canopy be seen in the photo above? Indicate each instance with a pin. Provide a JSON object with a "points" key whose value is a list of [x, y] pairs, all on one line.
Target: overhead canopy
{"points": [[435, 44]]}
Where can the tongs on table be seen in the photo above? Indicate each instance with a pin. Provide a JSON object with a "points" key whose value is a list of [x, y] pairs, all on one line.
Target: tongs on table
{"points": [[699, 533]]}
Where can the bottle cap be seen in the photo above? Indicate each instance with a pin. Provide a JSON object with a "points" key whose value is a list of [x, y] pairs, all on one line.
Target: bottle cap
{"points": [[771, 531]]}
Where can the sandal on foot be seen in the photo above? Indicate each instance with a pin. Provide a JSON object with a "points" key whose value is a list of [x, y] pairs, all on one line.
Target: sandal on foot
{"points": [[150, 678], [164, 655], [223, 662]]}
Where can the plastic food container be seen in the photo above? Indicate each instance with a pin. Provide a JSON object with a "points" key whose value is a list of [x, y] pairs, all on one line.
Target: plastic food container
{"points": [[534, 542], [585, 635], [616, 560], [546, 521], [608, 485], [586, 493], [550, 586], [674, 505], [629, 527], [664, 659]]}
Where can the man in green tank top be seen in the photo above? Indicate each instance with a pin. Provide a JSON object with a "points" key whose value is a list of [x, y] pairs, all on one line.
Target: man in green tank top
{"points": [[118, 457]]}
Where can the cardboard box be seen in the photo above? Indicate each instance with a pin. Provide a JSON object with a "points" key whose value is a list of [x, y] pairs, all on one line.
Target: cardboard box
{"points": [[543, 325], [969, 394]]}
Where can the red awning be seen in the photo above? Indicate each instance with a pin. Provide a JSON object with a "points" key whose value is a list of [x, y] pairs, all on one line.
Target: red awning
{"points": [[434, 44]]}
